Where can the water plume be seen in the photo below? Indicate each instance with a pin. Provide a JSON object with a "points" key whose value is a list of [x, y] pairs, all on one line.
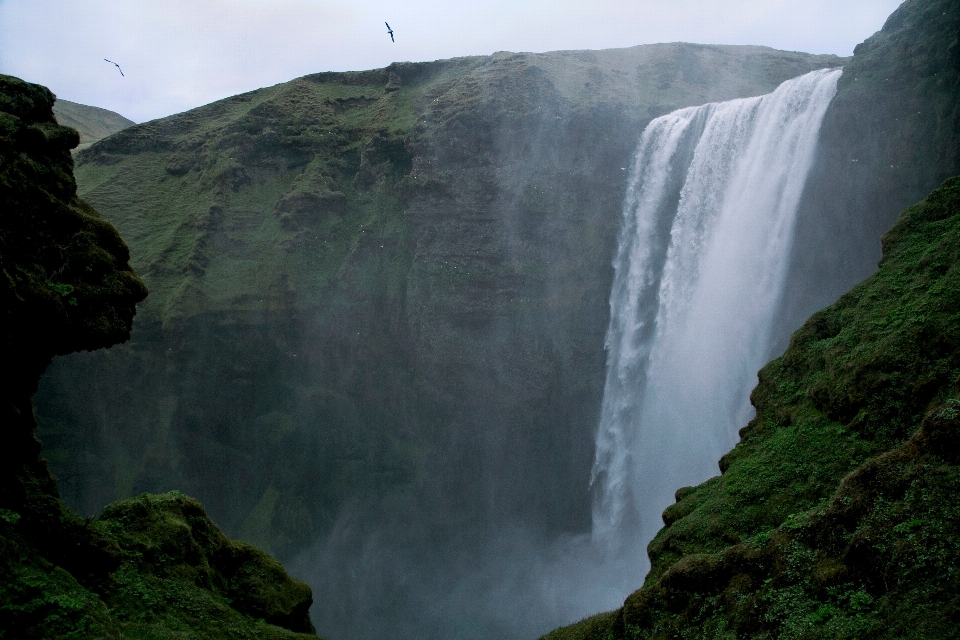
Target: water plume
{"points": [[703, 250]]}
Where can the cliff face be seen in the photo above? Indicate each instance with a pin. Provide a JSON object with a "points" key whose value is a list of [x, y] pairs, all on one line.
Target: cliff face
{"points": [[67, 286], [385, 288], [837, 514], [891, 135]]}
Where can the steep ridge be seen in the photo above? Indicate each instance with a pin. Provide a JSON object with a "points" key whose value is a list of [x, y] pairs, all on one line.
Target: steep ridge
{"points": [[92, 123], [837, 514], [379, 285], [150, 565]]}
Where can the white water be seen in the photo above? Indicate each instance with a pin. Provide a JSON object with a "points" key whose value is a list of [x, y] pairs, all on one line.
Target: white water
{"points": [[707, 227]]}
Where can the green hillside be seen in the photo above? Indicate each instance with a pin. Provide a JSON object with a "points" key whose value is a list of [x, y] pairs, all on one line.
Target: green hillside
{"points": [[92, 123], [374, 286]]}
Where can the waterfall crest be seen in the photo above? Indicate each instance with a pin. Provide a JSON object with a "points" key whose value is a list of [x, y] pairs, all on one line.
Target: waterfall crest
{"points": [[707, 227]]}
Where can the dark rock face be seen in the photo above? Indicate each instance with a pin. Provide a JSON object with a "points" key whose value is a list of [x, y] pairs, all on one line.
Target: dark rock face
{"points": [[67, 286], [891, 135], [67, 282]]}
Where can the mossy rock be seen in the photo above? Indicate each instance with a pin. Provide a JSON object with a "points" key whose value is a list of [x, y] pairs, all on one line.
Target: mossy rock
{"points": [[170, 538], [155, 566]]}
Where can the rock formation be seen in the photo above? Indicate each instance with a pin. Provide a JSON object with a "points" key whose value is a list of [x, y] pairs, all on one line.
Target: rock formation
{"points": [[150, 563]]}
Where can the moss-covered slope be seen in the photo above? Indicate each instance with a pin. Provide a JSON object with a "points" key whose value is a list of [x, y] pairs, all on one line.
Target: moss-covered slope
{"points": [[152, 567], [378, 286], [838, 513]]}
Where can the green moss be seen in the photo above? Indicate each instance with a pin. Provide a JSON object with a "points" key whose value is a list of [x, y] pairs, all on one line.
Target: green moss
{"points": [[598, 627]]}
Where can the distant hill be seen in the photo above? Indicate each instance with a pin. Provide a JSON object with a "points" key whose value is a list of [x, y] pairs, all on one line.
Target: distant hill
{"points": [[93, 123]]}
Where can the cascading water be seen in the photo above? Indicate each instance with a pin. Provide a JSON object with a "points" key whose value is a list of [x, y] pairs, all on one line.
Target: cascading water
{"points": [[707, 227]]}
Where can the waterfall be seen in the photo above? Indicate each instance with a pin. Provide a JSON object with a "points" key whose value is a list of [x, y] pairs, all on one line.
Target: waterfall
{"points": [[707, 228]]}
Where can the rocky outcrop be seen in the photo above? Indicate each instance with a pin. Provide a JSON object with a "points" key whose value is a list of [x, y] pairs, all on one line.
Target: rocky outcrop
{"points": [[67, 285]]}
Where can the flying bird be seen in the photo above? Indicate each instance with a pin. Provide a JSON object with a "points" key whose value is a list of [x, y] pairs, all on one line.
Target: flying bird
{"points": [[117, 66], [390, 31]]}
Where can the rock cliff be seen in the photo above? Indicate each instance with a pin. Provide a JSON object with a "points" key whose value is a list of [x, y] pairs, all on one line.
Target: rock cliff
{"points": [[150, 564], [837, 514], [374, 286]]}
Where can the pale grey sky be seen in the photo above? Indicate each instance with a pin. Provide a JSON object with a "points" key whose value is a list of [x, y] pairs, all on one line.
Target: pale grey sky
{"points": [[179, 54]]}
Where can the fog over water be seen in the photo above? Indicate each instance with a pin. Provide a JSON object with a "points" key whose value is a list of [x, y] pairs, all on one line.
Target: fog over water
{"points": [[707, 227], [703, 251]]}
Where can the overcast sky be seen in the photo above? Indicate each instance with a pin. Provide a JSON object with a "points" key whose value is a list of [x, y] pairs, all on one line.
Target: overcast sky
{"points": [[179, 54]]}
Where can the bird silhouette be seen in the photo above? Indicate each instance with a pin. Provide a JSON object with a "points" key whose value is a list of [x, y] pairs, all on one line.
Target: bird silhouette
{"points": [[390, 31], [117, 66]]}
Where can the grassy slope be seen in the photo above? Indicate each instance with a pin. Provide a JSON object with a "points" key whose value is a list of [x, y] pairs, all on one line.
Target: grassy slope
{"points": [[92, 123], [173, 575], [837, 513], [341, 264]]}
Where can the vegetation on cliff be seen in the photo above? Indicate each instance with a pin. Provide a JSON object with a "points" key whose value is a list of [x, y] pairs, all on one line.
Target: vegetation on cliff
{"points": [[150, 567], [837, 514], [392, 279]]}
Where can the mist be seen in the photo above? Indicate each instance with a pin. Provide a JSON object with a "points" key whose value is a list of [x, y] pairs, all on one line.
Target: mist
{"points": [[379, 345], [477, 555]]}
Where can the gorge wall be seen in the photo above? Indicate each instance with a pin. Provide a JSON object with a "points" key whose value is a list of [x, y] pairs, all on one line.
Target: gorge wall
{"points": [[377, 307], [374, 339], [149, 566]]}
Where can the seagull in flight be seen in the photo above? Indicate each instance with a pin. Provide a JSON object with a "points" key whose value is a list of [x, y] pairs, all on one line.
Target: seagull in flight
{"points": [[117, 66], [390, 31]]}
